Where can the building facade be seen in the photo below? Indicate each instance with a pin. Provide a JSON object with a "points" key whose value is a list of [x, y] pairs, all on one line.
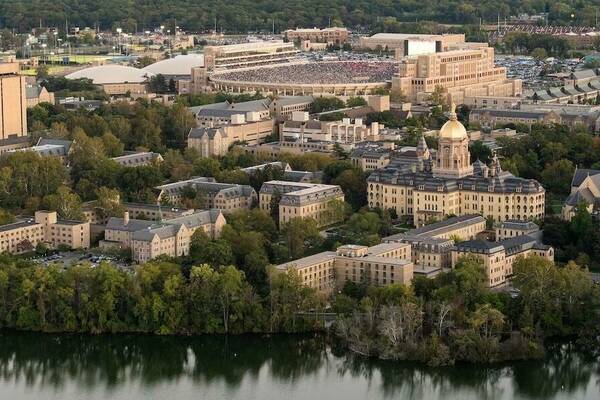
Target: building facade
{"points": [[227, 197], [409, 43], [498, 257], [380, 265], [302, 200], [458, 74], [216, 141], [172, 237], [433, 189], [46, 228], [13, 101], [432, 244], [585, 190], [333, 35], [248, 54]]}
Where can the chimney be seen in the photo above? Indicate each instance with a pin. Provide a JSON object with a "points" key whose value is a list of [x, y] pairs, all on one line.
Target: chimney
{"points": [[126, 218]]}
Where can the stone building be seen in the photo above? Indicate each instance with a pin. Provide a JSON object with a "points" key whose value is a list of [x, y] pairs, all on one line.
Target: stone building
{"points": [[334, 35], [37, 94], [459, 73], [228, 197], [380, 265], [214, 142], [410, 43], [498, 257], [172, 237], [46, 228], [13, 98], [424, 188], [585, 189], [302, 200], [432, 244]]}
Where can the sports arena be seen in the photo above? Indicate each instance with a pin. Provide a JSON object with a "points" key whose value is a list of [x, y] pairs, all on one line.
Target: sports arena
{"points": [[341, 78]]}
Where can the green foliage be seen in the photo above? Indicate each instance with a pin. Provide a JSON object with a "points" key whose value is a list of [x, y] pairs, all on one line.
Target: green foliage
{"points": [[156, 298], [27, 175], [549, 154], [244, 16], [351, 179], [356, 102], [322, 104]]}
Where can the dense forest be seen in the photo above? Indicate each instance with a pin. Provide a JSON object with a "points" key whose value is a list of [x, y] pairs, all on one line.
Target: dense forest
{"points": [[259, 15]]}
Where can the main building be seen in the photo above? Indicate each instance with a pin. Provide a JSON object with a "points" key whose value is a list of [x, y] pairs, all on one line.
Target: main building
{"points": [[423, 188]]}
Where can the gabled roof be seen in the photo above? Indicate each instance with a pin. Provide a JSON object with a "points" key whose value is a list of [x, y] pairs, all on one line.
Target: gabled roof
{"points": [[580, 175], [200, 132]]}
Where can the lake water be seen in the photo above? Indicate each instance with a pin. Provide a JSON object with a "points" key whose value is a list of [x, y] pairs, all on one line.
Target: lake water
{"points": [[132, 367]]}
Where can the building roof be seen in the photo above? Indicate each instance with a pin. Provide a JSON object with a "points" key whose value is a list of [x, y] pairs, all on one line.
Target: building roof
{"points": [[511, 245], [293, 100], [519, 225], [308, 261], [111, 73], [208, 185], [200, 132], [438, 228], [32, 91], [17, 225], [310, 124], [137, 158], [146, 230], [180, 65], [453, 129], [581, 174], [276, 164], [118, 224]]}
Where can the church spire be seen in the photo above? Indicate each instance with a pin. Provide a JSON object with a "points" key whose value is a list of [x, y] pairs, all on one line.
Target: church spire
{"points": [[422, 149]]}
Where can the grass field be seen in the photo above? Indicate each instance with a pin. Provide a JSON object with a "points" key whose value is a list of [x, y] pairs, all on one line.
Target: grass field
{"points": [[52, 70], [77, 58]]}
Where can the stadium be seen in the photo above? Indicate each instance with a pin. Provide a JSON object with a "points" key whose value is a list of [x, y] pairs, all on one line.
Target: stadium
{"points": [[341, 78]]}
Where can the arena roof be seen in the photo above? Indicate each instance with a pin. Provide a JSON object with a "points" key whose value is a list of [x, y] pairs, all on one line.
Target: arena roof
{"points": [[106, 74], [178, 65]]}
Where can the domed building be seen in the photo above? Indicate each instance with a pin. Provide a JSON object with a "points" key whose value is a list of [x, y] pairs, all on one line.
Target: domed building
{"points": [[115, 79], [430, 185]]}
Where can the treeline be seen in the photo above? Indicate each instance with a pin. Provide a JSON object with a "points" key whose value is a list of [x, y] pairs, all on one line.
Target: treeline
{"points": [[578, 239], [454, 317], [244, 15], [157, 298], [550, 155], [539, 46]]}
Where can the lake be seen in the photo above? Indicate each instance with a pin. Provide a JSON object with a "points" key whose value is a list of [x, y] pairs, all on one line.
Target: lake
{"points": [[132, 367]]}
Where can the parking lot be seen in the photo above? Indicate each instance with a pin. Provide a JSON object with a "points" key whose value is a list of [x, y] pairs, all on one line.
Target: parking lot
{"points": [[70, 258]]}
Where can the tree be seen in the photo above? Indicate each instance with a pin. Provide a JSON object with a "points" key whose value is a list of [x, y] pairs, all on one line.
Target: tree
{"points": [[322, 104], [539, 54], [6, 217], [229, 287], [300, 234], [356, 102], [108, 203], [66, 203], [437, 97], [42, 71], [557, 176], [158, 84]]}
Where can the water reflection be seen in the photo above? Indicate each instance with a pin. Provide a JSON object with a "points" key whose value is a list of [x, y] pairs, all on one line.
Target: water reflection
{"points": [[50, 362]]}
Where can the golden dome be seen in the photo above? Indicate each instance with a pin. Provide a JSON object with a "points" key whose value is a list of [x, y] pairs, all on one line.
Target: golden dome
{"points": [[453, 129]]}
